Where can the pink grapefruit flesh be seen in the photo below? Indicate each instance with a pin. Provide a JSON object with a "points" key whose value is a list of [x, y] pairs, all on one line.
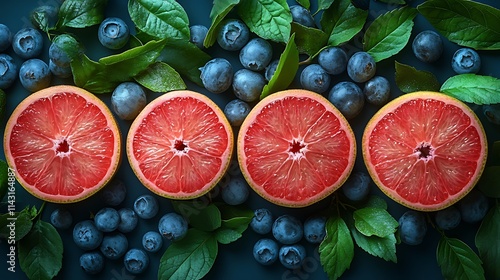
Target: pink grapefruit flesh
{"points": [[425, 150], [180, 145], [295, 148], [63, 143]]}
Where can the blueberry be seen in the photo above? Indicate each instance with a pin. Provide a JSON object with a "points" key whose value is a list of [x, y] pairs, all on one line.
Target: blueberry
{"points": [[377, 91], [8, 71], [114, 192], [302, 16], [492, 113], [292, 256], [314, 229], [357, 186], [473, 207], [5, 37], [113, 33], [236, 111], [465, 61], [128, 100], [348, 98], [265, 251], [236, 192], [27, 43], [35, 74], [233, 34], [128, 220], [92, 262], [60, 71], [361, 67], [256, 54], [136, 261], [197, 34], [146, 206], [412, 227], [63, 49], [333, 60], [315, 78], [217, 75], [173, 226], [248, 85], [271, 69], [262, 221], [427, 46], [61, 218], [86, 235], [152, 241], [114, 246], [287, 229], [107, 219], [448, 218]]}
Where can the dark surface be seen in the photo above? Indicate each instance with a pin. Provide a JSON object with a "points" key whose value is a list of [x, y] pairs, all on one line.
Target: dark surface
{"points": [[235, 261]]}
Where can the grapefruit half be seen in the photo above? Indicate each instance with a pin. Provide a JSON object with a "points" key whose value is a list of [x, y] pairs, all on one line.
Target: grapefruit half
{"points": [[180, 145], [425, 150], [295, 148], [63, 143]]}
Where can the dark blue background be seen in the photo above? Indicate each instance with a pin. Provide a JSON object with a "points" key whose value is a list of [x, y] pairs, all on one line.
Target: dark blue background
{"points": [[235, 261]]}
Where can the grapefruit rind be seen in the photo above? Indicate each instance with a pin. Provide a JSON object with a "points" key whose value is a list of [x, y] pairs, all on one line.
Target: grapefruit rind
{"points": [[51, 92], [423, 96], [345, 130], [225, 156]]}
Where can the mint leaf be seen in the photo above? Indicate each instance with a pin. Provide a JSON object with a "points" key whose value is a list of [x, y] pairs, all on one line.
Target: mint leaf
{"points": [[488, 183], [337, 249], [382, 247], [160, 77], [375, 201], [227, 235], [374, 221], [207, 219], [22, 222], [189, 258], [324, 4], [309, 40], [389, 33], [342, 21], [467, 23], [43, 18], [270, 20], [304, 3], [81, 13], [286, 70], [41, 252], [473, 88], [409, 79], [160, 19], [487, 242], [69, 45], [4, 177], [219, 11], [457, 260]]}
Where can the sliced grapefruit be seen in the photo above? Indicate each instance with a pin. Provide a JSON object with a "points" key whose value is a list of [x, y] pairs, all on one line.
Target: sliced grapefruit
{"points": [[63, 143], [180, 145], [295, 148], [425, 150]]}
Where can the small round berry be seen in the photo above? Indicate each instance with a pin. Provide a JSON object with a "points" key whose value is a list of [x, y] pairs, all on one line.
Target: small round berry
{"points": [[287, 229], [256, 54], [315, 78], [361, 67], [35, 74], [474, 206], [136, 261], [197, 35], [217, 75], [8, 71], [448, 218], [5, 37], [233, 34], [265, 251], [152, 241], [412, 227], [146, 206], [302, 16], [466, 60], [236, 192], [114, 246], [262, 221], [61, 218], [86, 235], [107, 219], [128, 220], [314, 229], [60, 71], [348, 98], [27, 43], [236, 111], [128, 100], [113, 33], [173, 226], [292, 256], [114, 192], [427, 46], [248, 85], [377, 91], [92, 262], [271, 69], [333, 60], [357, 186]]}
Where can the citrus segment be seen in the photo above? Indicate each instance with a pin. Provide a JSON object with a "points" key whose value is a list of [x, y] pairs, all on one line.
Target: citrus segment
{"points": [[425, 150], [295, 148], [179, 146], [63, 143]]}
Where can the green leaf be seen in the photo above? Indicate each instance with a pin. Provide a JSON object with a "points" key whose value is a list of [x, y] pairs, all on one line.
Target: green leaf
{"points": [[488, 243], [160, 77], [285, 71], [473, 88], [457, 260], [219, 11], [41, 252], [409, 79], [270, 20], [342, 21], [489, 181], [374, 221], [207, 219], [304, 3], [389, 33], [235, 216], [227, 235], [376, 201], [189, 258], [19, 221], [69, 45], [160, 19], [309, 40], [467, 23], [81, 13], [337, 249], [175, 54], [324, 4], [382, 247], [4, 177], [44, 17]]}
